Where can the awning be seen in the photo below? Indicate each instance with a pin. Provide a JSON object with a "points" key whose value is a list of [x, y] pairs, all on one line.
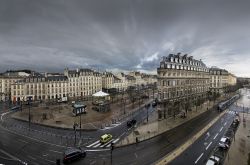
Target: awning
{"points": [[100, 94]]}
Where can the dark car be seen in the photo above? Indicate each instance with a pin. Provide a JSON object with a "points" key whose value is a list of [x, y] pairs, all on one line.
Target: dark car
{"points": [[154, 104], [72, 154], [131, 123]]}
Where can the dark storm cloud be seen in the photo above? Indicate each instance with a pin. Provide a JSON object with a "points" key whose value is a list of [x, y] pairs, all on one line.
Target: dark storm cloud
{"points": [[49, 35]]}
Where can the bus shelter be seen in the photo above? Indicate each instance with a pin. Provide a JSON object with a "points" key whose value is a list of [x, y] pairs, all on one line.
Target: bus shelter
{"points": [[79, 109]]}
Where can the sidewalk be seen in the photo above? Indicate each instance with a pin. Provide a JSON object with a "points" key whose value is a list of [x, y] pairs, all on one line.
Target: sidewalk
{"points": [[155, 127], [239, 152]]}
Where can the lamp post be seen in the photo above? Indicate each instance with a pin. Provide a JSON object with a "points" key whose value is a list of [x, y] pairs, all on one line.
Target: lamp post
{"points": [[29, 101], [111, 153], [80, 125], [74, 127]]}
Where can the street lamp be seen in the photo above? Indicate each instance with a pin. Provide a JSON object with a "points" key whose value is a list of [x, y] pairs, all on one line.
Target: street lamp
{"points": [[29, 101], [111, 152], [74, 127]]}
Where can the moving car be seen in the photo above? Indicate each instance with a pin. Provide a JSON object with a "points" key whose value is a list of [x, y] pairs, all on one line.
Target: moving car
{"points": [[105, 138], [154, 104], [131, 123], [72, 154]]}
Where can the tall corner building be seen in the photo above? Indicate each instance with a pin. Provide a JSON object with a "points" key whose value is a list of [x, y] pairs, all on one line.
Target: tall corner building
{"points": [[181, 77]]}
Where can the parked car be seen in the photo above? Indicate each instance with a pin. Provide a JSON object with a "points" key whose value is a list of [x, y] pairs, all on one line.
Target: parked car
{"points": [[224, 143], [225, 140], [131, 123], [230, 133], [105, 138], [223, 146], [72, 154], [213, 160]]}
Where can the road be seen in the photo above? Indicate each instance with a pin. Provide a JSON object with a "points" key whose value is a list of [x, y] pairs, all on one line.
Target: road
{"points": [[200, 151], [34, 151], [28, 148]]}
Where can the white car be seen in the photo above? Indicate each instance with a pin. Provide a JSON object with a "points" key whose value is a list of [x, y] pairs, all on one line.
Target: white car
{"points": [[213, 160], [225, 140]]}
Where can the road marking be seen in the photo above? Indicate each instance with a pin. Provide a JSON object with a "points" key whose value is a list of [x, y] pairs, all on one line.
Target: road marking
{"points": [[198, 158], [221, 129], [106, 144], [9, 155], [93, 144], [97, 150], [97, 145], [33, 138], [94, 162], [208, 145], [31, 157], [225, 123], [22, 141], [136, 156], [4, 114], [56, 151], [216, 136], [116, 140]]}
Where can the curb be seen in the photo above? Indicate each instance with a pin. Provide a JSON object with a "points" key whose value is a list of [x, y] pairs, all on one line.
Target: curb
{"points": [[50, 126]]}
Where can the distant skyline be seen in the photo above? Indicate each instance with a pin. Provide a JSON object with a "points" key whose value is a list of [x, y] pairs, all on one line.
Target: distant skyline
{"points": [[50, 35]]}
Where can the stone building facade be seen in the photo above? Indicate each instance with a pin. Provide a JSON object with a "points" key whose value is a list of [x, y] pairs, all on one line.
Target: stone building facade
{"points": [[40, 88], [83, 82], [9, 77], [181, 77], [219, 80], [232, 79]]}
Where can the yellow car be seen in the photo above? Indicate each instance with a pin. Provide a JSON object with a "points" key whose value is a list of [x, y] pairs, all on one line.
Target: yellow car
{"points": [[105, 138]]}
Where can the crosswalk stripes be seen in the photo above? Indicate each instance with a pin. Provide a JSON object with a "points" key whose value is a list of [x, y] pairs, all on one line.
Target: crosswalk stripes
{"points": [[100, 145], [93, 144]]}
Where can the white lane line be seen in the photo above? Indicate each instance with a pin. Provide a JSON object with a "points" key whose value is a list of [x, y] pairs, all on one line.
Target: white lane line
{"points": [[221, 129], [116, 140], [208, 145], [225, 123], [31, 157], [93, 144], [56, 151], [22, 141], [9, 155], [97, 145], [3, 114], [106, 144], [28, 137], [216, 136], [198, 158], [97, 150]]}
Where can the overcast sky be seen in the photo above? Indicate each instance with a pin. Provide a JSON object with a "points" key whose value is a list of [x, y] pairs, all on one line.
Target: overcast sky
{"points": [[49, 35]]}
